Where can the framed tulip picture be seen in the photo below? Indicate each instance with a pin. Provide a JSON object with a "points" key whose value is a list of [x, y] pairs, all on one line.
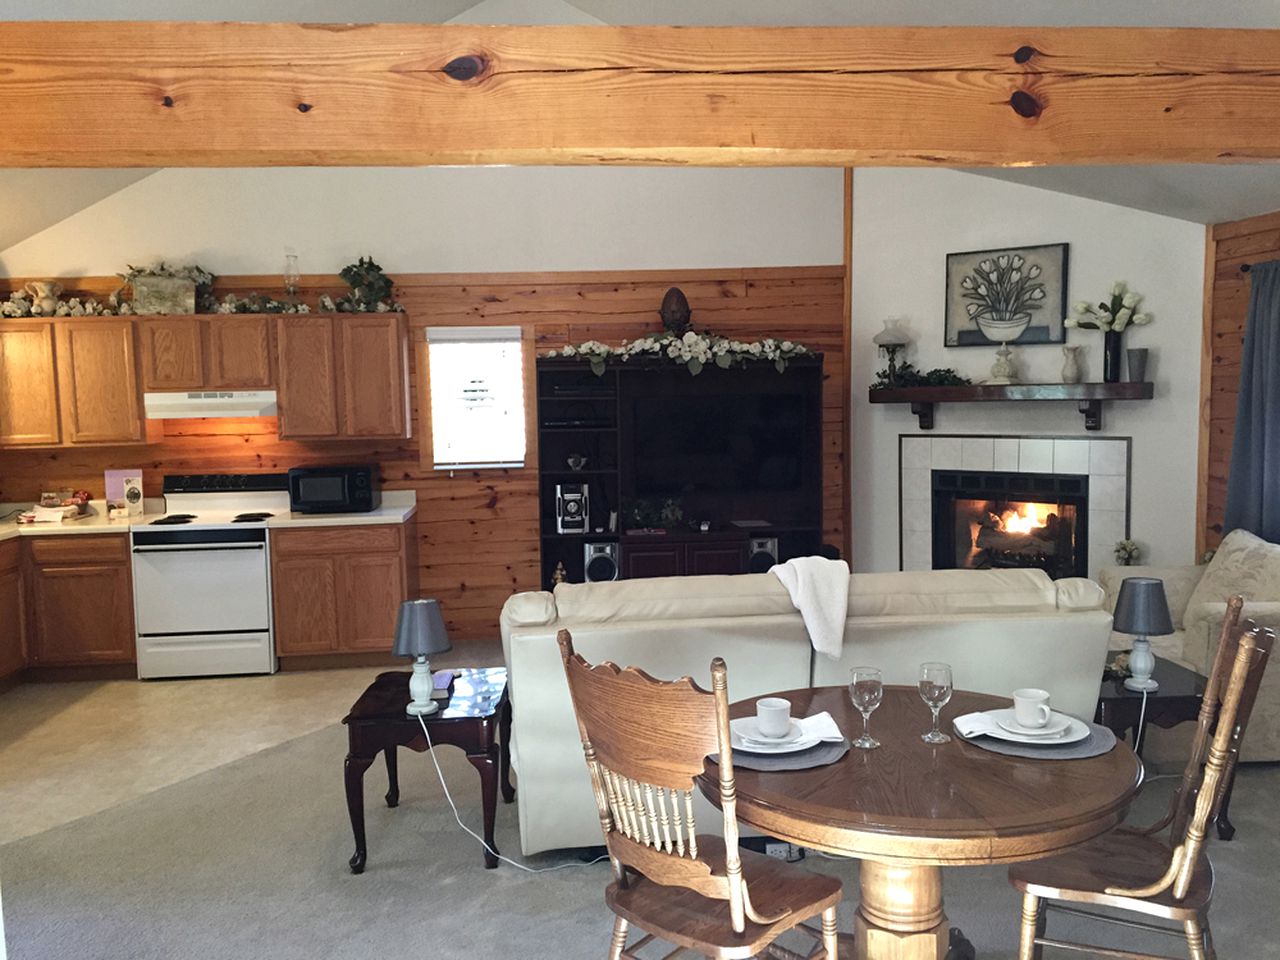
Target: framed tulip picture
{"points": [[1011, 295]]}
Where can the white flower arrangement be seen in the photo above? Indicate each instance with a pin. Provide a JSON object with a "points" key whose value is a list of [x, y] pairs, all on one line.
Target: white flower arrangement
{"points": [[21, 305], [1127, 553], [693, 350], [1110, 316]]}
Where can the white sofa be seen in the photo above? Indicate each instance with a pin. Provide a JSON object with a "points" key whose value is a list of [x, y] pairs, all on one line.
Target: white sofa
{"points": [[999, 630], [1243, 564]]}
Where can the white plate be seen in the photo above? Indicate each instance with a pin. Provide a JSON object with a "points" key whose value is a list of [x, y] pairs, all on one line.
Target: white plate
{"points": [[1076, 731], [739, 742], [1008, 720]]}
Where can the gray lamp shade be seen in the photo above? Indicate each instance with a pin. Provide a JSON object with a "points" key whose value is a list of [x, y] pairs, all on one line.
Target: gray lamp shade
{"points": [[1142, 608], [420, 630]]}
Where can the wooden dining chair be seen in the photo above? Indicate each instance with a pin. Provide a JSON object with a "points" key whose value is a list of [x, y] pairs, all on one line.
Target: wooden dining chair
{"points": [[1138, 869], [645, 742]]}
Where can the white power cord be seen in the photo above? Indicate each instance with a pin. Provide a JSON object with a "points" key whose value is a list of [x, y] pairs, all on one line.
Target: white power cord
{"points": [[1142, 728], [457, 816]]}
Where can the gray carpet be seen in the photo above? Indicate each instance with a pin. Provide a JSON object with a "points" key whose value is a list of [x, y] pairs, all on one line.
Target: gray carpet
{"points": [[249, 861]]}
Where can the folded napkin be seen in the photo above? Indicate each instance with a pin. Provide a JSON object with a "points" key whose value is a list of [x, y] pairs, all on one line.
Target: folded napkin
{"points": [[975, 725], [821, 726]]}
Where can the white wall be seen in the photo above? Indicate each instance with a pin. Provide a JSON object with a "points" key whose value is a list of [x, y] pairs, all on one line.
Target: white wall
{"points": [[449, 219], [906, 222]]}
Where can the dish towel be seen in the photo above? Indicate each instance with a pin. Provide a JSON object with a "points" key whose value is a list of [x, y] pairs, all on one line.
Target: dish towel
{"points": [[819, 589]]}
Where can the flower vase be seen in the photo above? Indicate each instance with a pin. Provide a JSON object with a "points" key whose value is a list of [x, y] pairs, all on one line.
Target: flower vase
{"points": [[1111, 356], [1071, 364]]}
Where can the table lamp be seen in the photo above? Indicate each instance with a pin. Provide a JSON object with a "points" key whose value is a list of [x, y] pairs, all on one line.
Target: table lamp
{"points": [[893, 338], [1142, 610], [420, 632]]}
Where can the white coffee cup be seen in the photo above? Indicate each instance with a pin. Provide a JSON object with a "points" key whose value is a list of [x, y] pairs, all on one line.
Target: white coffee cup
{"points": [[773, 716], [1031, 707]]}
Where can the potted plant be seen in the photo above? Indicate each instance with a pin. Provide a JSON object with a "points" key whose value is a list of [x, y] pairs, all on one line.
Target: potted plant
{"points": [[164, 289]]}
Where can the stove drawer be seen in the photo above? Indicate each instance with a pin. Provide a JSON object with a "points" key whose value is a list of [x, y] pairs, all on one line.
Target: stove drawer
{"points": [[80, 548]]}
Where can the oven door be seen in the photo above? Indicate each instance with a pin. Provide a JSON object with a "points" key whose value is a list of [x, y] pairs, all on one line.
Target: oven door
{"points": [[201, 582], [319, 491]]}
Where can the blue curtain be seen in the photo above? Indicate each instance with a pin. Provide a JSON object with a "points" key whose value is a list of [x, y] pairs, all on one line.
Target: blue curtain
{"points": [[1253, 484]]}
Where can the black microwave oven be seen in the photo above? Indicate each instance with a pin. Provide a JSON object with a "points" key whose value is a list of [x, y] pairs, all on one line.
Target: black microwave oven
{"points": [[340, 489]]}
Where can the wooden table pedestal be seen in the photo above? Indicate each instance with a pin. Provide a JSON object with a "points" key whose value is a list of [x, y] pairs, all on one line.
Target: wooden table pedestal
{"points": [[900, 914]]}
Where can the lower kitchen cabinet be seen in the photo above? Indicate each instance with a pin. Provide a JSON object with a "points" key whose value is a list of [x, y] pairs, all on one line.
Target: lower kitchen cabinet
{"points": [[13, 654], [79, 600], [338, 589]]}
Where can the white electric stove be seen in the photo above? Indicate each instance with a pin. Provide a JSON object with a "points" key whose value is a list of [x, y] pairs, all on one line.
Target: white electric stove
{"points": [[202, 577]]}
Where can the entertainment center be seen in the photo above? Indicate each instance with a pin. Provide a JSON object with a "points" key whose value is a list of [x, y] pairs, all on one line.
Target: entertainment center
{"points": [[647, 471]]}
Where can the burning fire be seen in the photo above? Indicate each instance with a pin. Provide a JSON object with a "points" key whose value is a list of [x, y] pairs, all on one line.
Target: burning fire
{"points": [[1032, 517]]}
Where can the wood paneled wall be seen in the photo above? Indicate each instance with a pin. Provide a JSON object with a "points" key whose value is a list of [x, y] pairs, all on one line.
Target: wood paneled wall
{"points": [[478, 529], [1230, 245]]}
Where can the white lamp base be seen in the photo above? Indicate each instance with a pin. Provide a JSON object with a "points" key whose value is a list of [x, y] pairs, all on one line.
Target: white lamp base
{"points": [[1136, 683], [1141, 664], [421, 704]]}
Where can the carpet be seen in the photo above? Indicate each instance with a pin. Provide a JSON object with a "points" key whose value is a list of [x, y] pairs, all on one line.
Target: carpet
{"points": [[249, 860]]}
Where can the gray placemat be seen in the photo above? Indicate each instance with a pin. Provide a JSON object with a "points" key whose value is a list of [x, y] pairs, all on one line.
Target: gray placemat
{"points": [[1099, 741], [819, 755]]}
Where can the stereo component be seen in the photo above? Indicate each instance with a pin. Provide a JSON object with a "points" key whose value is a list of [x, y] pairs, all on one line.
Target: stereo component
{"points": [[572, 508], [600, 561]]}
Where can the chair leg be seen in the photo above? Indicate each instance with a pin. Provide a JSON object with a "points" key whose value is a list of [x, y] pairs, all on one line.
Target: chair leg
{"points": [[619, 939], [830, 939], [1195, 940], [1209, 952], [1032, 927]]}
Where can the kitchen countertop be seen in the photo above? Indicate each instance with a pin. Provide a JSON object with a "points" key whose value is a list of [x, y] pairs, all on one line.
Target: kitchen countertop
{"points": [[397, 507]]}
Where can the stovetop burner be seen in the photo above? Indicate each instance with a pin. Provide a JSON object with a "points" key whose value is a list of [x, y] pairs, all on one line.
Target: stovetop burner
{"points": [[173, 519], [251, 517]]}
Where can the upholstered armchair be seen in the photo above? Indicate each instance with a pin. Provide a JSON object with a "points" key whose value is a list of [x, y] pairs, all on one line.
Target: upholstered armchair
{"points": [[1197, 594]]}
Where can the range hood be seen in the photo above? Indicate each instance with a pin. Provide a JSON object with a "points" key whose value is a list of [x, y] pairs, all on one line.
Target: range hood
{"points": [[209, 403]]}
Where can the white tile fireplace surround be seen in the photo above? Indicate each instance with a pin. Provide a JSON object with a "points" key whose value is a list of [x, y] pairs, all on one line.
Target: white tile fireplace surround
{"points": [[1105, 462]]}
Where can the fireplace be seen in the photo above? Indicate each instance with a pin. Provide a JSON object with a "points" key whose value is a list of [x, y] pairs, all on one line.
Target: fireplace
{"points": [[986, 520]]}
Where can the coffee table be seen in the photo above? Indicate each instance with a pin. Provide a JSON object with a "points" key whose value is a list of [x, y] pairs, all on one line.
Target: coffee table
{"points": [[908, 809], [476, 718]]}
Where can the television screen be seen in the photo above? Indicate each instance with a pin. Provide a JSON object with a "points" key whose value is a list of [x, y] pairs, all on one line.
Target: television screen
{"points": [[727, 443]]}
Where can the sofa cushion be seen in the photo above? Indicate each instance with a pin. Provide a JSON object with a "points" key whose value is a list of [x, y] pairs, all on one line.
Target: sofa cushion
{"points": [[673, 598], [1244, 564], [530, 609], [934, 592], [1079, 593]]}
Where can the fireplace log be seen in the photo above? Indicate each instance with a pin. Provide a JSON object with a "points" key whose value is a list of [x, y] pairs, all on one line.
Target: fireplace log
{"points": [[1031, 543]]}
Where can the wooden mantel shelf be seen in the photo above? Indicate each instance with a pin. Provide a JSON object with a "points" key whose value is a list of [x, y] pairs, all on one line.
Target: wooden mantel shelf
{"points": [[1089, 396]]}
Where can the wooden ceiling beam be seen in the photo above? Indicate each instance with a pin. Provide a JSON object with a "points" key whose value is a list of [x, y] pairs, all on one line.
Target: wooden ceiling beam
{"points": [[115, 94]]}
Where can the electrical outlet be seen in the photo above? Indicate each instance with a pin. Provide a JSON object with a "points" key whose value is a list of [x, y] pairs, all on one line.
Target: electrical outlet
{"points": [[781, 850]]}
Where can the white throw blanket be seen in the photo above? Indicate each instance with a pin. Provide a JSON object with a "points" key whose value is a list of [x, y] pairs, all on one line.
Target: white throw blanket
{"points": [[819, 589]]}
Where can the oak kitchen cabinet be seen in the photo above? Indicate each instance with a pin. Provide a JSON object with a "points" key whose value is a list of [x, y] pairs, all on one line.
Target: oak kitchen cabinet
{"points": [[13, 655], [215, 352], [338, 589], [69, 381], [343, 376], [79, 600]]}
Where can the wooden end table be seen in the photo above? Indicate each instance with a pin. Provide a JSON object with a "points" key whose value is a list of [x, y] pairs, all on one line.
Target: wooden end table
{"points": [[1177, 701], [475, 718]]}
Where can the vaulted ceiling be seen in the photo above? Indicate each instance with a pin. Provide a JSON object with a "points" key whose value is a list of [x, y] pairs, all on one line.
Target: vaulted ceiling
{"points": [[35, 199]]}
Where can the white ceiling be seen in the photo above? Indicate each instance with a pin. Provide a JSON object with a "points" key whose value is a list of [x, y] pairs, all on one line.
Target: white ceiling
{"points": [[35, 199]]}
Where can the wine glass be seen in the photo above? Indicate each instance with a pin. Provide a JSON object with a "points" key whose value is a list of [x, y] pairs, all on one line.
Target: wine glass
{"points": [[865, 690], [935, 690]]}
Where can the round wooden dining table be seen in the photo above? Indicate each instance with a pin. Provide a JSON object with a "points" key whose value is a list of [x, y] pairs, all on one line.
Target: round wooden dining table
{"points": [[908, 808]]}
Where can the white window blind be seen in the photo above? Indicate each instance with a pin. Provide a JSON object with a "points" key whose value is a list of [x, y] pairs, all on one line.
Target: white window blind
{"points": [[477, 397]]}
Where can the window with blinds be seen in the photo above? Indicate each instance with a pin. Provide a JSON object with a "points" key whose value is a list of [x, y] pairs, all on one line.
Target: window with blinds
{"points": [[477, 397]]}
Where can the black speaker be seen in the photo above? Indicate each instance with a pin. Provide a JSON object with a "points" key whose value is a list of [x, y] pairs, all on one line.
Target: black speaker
{"points": [[572, 509], [762, 553], [600, 561]]}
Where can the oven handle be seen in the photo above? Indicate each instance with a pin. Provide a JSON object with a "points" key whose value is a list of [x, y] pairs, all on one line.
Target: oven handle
{"points": [[195, 549]]}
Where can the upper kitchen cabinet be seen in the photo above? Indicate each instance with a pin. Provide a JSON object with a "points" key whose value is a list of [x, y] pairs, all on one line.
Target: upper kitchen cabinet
{"points": [[219, 352], [98, 381], [343, 376], [28, 385]]}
